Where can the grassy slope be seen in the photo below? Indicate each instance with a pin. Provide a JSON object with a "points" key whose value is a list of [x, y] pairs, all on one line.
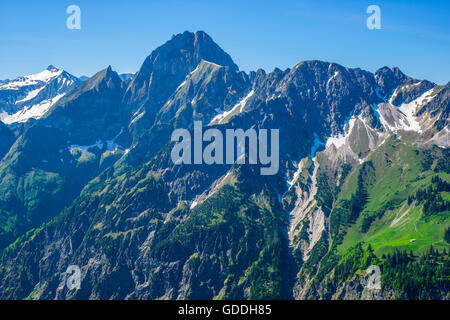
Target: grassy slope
{"points": [[400, 171], [394, 172]]}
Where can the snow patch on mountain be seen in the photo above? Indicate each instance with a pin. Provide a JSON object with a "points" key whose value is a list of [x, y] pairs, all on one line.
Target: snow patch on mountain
{"points": [[404, 116], [109, 145], [331, 78], [218, 119], [32, 96], [410, 110], [35, 111], [188, 76], [402, 88], [340, 139], [210, 192], [34, 79], [295, 177]]}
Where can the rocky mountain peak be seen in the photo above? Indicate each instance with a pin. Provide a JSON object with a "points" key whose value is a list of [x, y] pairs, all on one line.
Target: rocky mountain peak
{"points": [[52, 68], [168, 65], [388, 79]]}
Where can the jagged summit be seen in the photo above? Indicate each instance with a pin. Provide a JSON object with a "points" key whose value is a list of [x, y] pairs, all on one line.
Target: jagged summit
{"points": [[53, 68], [107, 74], [201, 45], [185, 48], [106, 78], [167, 66]]}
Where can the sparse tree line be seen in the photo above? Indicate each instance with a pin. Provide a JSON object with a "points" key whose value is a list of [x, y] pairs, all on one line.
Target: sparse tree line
{"points": [[431, 197]]}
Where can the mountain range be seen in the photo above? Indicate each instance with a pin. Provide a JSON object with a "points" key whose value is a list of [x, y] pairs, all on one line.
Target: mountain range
{"points": [[86, 179]]}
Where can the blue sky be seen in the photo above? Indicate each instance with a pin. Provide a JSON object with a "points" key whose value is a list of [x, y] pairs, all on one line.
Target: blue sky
{"points": [[257, 34]]}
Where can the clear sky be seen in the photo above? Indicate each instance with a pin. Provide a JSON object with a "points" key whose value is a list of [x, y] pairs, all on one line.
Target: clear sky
{"points": [[414, 34]]}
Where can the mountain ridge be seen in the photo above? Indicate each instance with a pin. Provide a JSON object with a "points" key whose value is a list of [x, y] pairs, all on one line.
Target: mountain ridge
{"points": [[161, 231]]}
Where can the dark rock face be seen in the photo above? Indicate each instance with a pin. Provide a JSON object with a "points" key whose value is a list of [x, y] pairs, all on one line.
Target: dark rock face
{"points": [[91, 112], [408, 93], [440, 105], [388, 79], [6, 139], [323, 94], [223, 86]]}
